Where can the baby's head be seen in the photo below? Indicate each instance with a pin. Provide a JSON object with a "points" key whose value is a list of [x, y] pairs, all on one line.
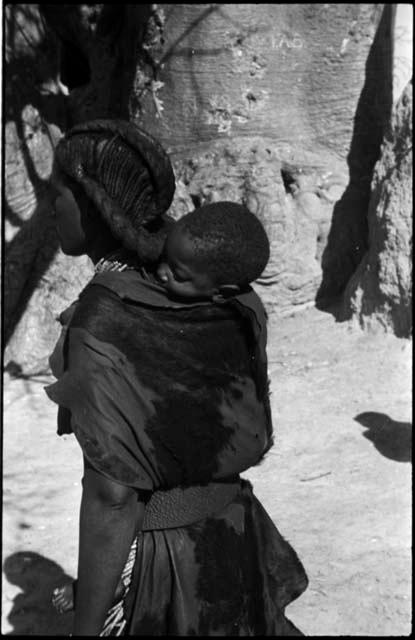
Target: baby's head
{"points": [[217, 248]]}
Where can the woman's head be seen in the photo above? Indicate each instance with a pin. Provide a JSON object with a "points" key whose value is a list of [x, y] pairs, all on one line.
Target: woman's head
{"points": [[79, 226], [217, 246], [121, 180]]}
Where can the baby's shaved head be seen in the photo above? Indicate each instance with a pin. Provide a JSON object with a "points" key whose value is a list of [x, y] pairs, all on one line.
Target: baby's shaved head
{"points": [[229, 241]]}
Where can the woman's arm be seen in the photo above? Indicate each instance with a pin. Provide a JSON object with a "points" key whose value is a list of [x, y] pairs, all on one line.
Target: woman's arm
{"points": [[110, 516]]}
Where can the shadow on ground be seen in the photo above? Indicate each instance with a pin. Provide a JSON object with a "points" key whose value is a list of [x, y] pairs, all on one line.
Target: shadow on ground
{"points": [[32, 612], [391, 438]]}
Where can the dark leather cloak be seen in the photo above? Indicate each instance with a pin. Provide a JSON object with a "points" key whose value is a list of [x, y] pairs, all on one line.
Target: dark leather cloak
{"points": [[162, 394]]}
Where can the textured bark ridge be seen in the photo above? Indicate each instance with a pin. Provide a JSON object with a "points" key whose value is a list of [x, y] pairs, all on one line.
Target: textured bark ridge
{"points": [[282, 107], [294, 202], [379, 293]]}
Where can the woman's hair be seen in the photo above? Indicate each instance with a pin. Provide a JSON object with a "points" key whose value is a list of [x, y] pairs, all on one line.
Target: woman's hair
{"points": [[228, 240], [126, 174]]}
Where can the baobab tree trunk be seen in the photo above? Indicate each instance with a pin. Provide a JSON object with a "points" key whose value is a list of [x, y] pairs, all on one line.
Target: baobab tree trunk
{"points": [[282, 107], [256, 104], [379, 293]]}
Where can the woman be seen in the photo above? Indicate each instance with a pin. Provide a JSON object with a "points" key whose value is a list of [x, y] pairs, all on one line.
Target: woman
{"points": [[169, 403]]}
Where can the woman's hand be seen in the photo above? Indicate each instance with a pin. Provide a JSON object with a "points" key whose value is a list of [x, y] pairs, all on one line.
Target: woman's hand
{"points": [[110, 516]]}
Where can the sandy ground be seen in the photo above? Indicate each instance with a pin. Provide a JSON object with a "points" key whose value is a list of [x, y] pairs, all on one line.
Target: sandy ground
{"points": [[337, 483]]}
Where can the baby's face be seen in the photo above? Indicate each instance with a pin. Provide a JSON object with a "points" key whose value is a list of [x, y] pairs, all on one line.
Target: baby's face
{"points": [[180, 272]]}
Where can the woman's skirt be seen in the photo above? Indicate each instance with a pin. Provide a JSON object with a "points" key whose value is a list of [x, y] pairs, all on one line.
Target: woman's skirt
{"points": [[228, 574]]}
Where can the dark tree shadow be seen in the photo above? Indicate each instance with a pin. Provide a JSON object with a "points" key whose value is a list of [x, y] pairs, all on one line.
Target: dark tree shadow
{"points": [[27, 75], [32, 612], [348, 237], [28, 256], [121, 29], [391, 438]]}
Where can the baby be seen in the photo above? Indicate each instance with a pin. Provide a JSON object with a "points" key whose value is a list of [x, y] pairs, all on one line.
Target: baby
{"points": [[215, 250], [212, 253]]}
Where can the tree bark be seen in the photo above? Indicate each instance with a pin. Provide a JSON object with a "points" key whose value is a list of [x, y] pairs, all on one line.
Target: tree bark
{"points": [[379, 295]]}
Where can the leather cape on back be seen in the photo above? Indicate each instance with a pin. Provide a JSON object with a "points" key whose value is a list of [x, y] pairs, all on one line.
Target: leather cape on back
{"points": [[161, 393]]}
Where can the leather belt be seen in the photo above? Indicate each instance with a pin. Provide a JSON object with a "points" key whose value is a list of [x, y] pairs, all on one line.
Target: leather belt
{"points": [[180, 507]]}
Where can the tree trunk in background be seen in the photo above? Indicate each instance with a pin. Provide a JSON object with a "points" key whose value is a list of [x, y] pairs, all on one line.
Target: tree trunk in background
{"points": [[256, 104], [282, 107], [379, 293]]}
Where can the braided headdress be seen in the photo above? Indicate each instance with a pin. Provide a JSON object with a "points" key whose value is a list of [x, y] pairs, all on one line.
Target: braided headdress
{"points": [[127, 175]]}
